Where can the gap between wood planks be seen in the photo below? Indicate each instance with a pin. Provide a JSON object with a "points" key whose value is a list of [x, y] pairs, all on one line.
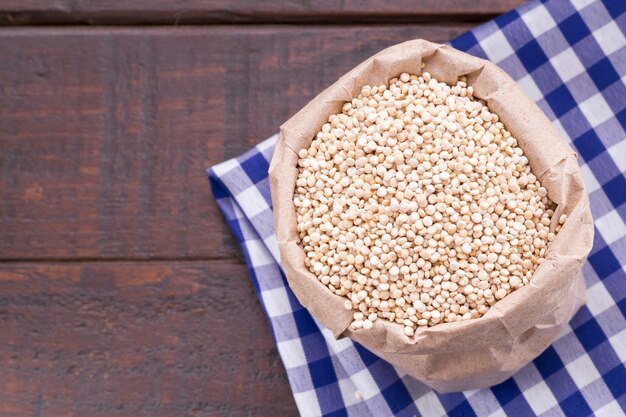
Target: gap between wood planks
{"points": [[172, 260], [8, 20]]}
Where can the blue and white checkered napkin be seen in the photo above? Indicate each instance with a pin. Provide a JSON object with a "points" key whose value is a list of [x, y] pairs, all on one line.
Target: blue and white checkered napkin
{"points": [[570, 57]]}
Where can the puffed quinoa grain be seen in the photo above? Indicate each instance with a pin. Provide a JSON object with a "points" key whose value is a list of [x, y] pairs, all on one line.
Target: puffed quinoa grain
{"points": [[418, 206]]}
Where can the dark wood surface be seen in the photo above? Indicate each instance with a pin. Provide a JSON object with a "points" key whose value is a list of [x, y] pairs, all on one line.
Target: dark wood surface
{"points": [[118, 12], [136, 339], [122, 292], [105, 133]]}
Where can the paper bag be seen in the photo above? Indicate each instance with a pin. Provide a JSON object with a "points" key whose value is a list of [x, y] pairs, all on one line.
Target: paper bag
{"points": [[479, 352]]}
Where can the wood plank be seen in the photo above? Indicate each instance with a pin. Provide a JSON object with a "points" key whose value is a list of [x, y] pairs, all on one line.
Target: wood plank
{"points": [[105, 133], [248, 11], [136, 339]]}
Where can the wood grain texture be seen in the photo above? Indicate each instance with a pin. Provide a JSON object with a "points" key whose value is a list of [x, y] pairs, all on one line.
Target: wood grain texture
{"points": [[248, 11], [105, 133], [124, 339]]}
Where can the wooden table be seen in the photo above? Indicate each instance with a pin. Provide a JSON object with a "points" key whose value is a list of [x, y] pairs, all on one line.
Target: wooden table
{"points": [[122, 291]]}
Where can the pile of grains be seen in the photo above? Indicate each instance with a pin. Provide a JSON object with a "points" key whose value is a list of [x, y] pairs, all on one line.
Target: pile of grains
{"points": [[417, 205]]}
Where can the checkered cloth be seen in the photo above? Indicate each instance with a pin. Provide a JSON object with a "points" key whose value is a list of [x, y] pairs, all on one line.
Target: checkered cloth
{"points": [[570, 57]]}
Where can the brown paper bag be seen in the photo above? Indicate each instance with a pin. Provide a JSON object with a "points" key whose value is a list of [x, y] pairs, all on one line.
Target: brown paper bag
{"points": [[479, 352]]}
